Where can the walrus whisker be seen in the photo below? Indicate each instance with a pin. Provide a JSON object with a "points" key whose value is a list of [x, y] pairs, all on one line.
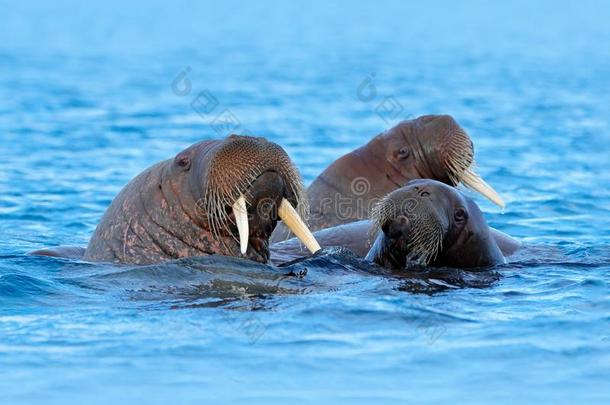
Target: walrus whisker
{"points": [[458, 157], [424, 244]]}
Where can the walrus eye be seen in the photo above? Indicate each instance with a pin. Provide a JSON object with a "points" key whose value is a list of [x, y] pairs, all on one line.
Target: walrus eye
{"points": [[460, 214], [403, 153], [183, 161]]}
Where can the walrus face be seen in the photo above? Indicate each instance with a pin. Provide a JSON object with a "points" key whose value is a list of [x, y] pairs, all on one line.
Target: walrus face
{"points": [[430, 223], [241, 186], [436, 147]]}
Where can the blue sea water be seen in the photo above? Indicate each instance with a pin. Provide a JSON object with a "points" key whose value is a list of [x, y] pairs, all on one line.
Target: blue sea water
{"points": [[91, 94]]}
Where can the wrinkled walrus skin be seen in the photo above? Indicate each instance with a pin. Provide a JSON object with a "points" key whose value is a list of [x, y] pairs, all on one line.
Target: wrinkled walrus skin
{"points": [[183, 206]]}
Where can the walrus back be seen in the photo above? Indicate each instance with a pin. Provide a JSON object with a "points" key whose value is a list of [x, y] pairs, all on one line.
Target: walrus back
{"points": [[109, 241]]}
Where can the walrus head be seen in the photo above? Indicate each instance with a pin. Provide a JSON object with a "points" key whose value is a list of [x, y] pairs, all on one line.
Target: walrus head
{"points": [[427, 222], [215, 197], [244, 185], [434, 147]]}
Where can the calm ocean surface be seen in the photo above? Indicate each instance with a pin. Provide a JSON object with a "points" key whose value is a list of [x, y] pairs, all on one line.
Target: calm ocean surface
{"points": [[89, 98]]}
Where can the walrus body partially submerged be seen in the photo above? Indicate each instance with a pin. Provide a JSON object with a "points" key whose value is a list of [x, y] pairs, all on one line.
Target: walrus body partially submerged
{"points": [[428, 147], [426, 222], [216, 197]]}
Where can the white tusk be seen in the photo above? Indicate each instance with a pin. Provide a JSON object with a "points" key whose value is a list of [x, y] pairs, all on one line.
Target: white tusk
{"points": [[294, 222], [474, 182], [241, 220]]}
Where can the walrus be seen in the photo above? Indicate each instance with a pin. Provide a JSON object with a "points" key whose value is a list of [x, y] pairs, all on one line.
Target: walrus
{"points": [[431, 146], [401, 213], [215, 197], [432, 224]]}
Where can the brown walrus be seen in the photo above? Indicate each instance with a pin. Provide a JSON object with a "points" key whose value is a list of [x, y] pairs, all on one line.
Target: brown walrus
{"points": [[430, 223], [431, 146], [215, 197], [425, 221]]}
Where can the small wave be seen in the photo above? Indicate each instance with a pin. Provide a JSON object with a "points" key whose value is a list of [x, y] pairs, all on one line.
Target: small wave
{"points": [[19, 285]]}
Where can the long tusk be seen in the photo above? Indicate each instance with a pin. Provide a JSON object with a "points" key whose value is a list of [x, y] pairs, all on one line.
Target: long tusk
{"points": [[474, 182], [241, 220], [294, 222]]}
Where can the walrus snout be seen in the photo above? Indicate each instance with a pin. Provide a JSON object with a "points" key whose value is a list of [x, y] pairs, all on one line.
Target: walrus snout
{"points": [[248, 174], [259, 203], [263, 199], [255, 216], [454, 155], [414, 221]]}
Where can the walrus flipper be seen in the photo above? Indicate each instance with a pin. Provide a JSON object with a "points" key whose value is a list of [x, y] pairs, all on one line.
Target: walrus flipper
{"points": [[507, 244], [67, 252]]}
